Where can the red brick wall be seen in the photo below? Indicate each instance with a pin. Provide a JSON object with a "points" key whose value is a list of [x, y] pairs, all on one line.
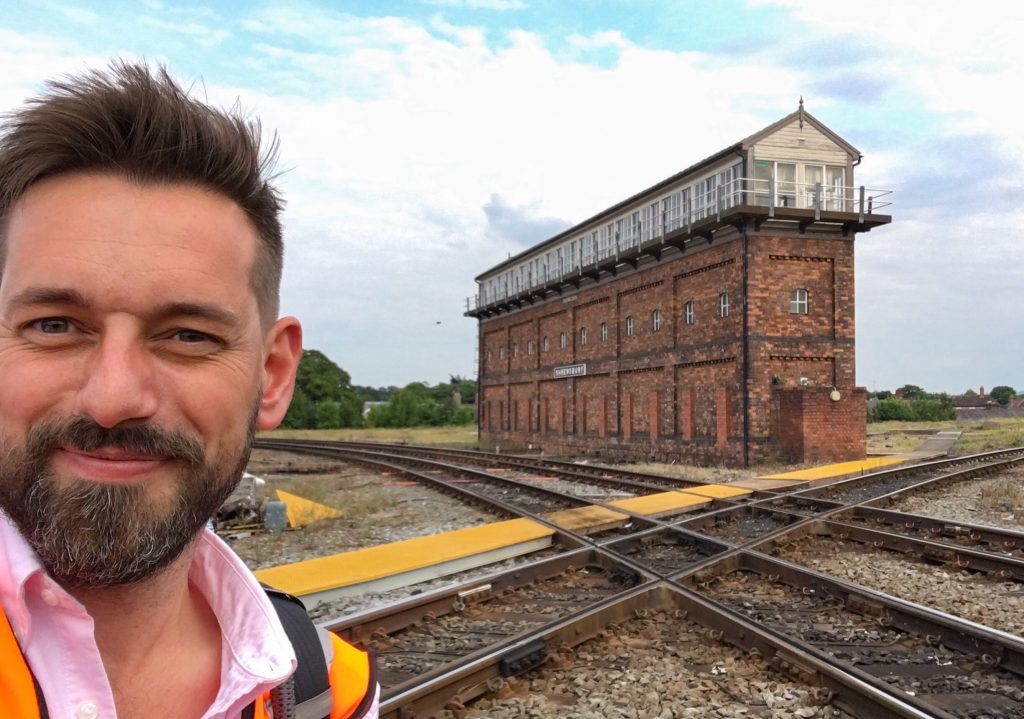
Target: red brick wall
{"points": [[815, 428], [678, 392]]}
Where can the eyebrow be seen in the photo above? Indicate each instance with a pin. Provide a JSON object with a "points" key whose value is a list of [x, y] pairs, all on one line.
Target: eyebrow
{"points": [[48, 296], [214, 313], [33, 296]]}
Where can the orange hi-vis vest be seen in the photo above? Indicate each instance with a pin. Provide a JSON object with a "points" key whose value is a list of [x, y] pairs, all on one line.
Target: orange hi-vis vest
{"points": [[351, 689], [353, 686]]}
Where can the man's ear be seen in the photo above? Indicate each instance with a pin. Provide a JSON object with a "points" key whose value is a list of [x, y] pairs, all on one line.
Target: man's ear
{"points": [[283, 346]]}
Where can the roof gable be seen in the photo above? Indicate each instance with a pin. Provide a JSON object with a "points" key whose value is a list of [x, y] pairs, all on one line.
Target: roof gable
{"points": [[799, 115]]}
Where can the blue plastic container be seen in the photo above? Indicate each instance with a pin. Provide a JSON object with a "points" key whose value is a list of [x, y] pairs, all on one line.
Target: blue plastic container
{"points": [[275, 519]]}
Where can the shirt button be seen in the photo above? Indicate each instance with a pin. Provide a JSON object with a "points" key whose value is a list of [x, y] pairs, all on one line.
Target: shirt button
{"points": [[87, 710], [50, 598]]}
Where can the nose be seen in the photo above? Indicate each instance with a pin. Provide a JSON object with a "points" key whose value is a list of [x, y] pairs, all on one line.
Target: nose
{"points": [[121, 384]]}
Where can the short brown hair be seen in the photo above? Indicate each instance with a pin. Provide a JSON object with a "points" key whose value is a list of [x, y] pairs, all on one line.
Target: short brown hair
{"points": [[139, 124]]}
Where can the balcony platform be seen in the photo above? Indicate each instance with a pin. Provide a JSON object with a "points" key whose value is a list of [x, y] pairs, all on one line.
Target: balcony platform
{"points": [[739, 217]]}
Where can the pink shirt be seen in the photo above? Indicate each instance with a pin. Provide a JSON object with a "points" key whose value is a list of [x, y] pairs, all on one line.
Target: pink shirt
{"points": [[56, 633]]}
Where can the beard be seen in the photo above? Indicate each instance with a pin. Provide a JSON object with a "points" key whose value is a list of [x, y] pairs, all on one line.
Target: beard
{"points": [[90, 534]]}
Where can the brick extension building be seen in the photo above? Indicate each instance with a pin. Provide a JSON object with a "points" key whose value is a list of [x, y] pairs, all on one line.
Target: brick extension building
{"points": [[709, 318]]}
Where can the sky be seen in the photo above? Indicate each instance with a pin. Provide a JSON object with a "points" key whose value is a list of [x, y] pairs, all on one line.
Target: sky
{"points": [[423, 142]]}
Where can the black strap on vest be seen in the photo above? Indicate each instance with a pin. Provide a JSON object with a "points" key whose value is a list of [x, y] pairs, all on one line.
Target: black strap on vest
{"points": [[309, 688]]}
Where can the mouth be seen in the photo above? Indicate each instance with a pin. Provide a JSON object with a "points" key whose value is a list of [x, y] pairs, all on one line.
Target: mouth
{"points": [[110, 464]]}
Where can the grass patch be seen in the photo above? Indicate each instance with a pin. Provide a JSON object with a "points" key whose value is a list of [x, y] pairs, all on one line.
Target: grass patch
{"points": [[1004, 494], [459, 436], [980, 435], [977, 435]]}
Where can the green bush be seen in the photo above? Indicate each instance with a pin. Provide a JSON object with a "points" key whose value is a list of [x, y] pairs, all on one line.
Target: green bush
{"points": [[419, 405], [931, 408]]}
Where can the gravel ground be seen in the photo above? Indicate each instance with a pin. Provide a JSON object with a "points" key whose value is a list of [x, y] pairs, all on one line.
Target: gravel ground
{"points": [[969, 501], [995, 604], [590, 492], [377, 508], [658, 667]]}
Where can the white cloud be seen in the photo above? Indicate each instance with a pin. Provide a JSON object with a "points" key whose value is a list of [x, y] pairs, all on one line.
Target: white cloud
{"points": [[202, 34], [76, 14], [390, 178], [30, 59]]}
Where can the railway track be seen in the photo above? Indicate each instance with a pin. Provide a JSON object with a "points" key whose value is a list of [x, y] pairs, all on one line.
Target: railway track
{"points": [[806, 603]]}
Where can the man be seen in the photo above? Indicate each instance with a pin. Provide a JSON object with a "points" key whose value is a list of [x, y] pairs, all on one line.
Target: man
{"points": [[140, 260]]}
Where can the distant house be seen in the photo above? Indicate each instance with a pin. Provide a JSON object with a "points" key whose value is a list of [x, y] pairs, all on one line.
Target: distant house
{"points": [[985, 406]]}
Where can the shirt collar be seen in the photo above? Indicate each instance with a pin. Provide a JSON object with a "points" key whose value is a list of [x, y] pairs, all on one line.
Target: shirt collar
{"points": [[256, 654], [18, 564]]}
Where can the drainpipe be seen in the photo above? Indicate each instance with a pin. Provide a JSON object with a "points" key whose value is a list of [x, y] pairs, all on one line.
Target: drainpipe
{"points": [[746, 337], [746, 350]]}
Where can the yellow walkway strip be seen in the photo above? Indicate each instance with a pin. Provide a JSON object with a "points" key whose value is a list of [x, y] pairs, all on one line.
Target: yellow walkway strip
{"points": [[717, 491], [653, 505], [842, 469], [302, 511], [397, 564], [382, 560], [584, 519]]}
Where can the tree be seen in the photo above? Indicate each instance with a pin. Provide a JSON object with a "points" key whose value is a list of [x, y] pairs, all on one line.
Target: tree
{"points": [[301, 412], [323, 395], [419, 404], [328, 414], [911, 391], [1002, 394]]}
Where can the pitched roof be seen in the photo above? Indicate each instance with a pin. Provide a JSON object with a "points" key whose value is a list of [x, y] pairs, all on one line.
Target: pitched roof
{"points": [[737, 148]]}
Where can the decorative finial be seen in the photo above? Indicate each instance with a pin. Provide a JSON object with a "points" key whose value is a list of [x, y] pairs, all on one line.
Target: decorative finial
{"points": [[801, 111]]}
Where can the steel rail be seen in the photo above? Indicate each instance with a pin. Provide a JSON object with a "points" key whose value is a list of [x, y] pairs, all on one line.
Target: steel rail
{"points": [[957, 633], [992, 647], [597, 476], [482, 673]]}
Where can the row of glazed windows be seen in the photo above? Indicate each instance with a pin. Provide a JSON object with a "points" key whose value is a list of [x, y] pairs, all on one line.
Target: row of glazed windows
{"points": [[781, 184], [631, 229], [799, 304]]}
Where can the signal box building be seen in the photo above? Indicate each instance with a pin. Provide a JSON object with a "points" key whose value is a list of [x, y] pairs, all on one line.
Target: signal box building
{"points": [[708, 318]]}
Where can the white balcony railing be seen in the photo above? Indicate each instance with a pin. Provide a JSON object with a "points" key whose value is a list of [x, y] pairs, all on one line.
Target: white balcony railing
{"points": [[679, 211]]}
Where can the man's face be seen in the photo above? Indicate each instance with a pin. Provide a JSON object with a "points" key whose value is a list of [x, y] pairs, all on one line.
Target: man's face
{"points": [[131, 366]]}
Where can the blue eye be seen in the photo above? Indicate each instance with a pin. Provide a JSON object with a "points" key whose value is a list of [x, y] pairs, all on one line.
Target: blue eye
{"points": [[53, 325], [191, 336]]}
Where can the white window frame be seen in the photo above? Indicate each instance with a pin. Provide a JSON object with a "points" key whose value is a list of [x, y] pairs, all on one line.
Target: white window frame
{"points": [[563, 340], [529, 347], [688, 313], [629, 326], [604, 331], [723, 304], [799, 301], [545, 345], [656, 320], [583, 336]]}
